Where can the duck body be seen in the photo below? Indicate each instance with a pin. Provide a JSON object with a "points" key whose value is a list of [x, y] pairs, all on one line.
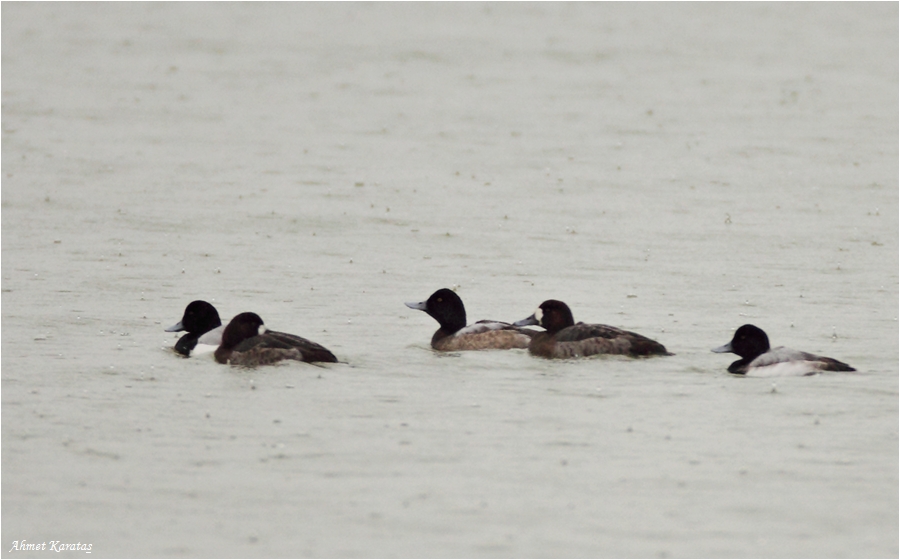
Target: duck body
{"points": [[247, 342], [453, 335], [564, 338], [204, 329], [758, 359], [483, 335]]}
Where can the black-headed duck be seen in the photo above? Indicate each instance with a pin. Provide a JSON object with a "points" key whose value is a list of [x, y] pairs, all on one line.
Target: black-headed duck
{"points": [[759, 360], [203, 326], [453, 335]]}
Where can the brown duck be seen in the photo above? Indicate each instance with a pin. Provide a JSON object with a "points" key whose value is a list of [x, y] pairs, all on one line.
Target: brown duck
{"points": [[564, 338], [247, 342]]}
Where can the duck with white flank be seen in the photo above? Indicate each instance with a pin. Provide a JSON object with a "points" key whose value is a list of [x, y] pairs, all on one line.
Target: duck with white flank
{"points": [[759, 360], [204, 329]]}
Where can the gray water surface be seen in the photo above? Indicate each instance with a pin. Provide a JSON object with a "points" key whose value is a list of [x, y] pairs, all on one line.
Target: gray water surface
{"points": [[673, 169]]}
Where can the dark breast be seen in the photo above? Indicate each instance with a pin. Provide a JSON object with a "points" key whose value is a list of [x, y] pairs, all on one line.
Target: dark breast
{"points": [[186, 343], [739, 367]]}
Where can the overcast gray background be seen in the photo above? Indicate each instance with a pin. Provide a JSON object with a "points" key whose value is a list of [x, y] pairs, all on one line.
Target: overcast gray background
{"points": [[673, 169]]}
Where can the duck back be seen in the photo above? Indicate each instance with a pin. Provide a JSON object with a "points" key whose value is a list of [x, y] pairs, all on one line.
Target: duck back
{"points": [[584, 339]]}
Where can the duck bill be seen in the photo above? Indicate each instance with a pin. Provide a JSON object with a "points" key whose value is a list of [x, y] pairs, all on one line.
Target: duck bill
{"points": [[723, 349], [179, 326], [421, 305], [527, 322]]}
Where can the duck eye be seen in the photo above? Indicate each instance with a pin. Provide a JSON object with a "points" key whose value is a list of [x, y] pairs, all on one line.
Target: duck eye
{"points": [[440, 300]]}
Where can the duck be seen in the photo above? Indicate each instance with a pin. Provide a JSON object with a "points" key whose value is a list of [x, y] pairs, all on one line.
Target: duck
{"points": [[564, 338], [447, 308], [758, 359], [203, 326], [247, 342]]}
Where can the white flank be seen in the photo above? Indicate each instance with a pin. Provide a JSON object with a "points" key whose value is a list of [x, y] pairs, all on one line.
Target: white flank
{"points": [[202, 349], [785, 369], [212, 338]]}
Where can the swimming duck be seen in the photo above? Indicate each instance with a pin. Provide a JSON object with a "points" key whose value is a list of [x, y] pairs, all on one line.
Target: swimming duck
{"points": [[566, 339], [453, 335], [203, 326], [759, 360], [247, 342]]}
